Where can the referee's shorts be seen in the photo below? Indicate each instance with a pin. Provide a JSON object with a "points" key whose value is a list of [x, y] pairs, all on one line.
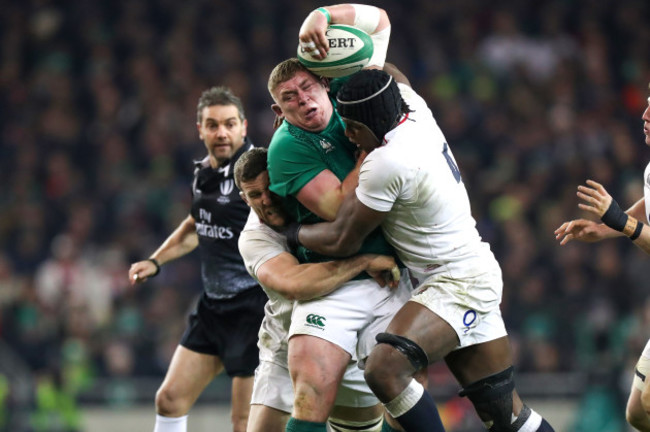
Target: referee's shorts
{"points": [[227, 328]]}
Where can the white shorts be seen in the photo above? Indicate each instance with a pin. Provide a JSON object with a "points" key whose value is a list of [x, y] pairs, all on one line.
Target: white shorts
{"points": [[470, 305], [272, 387], [642, 368], [351, 316]]}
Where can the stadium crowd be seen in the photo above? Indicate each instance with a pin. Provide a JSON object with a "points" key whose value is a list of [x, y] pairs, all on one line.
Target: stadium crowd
{"points": [[96, 151]]}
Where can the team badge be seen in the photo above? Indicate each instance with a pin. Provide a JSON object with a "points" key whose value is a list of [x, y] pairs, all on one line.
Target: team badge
{"points": [[326, 145]]}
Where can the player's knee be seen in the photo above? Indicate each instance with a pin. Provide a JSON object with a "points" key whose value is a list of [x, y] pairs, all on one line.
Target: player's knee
{"points": [[168, 404], [392, 363], [239, 422], [492, 398], [636, 418]]}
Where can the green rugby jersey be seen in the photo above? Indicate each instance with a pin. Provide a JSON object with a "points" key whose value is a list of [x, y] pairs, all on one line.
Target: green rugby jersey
{"points": [[297, 156]]}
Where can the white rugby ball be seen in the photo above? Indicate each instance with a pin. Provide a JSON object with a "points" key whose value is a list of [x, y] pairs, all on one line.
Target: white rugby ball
{"points": [[350, 50]]}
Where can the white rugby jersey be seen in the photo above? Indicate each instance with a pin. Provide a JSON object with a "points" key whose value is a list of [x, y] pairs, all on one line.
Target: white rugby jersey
{"points": [[257, 244], [646, 192], [414, 177]]}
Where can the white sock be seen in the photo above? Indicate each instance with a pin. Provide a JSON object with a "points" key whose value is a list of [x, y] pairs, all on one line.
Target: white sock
{"points": [[532, 424], [170, 424], [405, 400]]}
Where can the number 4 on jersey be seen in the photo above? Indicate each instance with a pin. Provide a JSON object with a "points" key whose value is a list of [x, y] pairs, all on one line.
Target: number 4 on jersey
{"points": [[452, 164]]}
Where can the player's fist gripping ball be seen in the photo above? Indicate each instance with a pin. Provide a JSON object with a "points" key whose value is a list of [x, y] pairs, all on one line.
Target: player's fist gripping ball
{"points": [[350, 50]]}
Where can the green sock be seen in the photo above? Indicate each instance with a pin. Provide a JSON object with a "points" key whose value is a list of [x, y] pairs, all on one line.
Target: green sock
{"points": [[295, 425], [387, 428]]}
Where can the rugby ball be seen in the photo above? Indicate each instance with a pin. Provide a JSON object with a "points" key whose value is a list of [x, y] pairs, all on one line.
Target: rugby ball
{"points": [[350, 50]]}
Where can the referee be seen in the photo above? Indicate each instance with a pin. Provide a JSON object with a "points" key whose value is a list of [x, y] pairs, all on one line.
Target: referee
{"points": [[222, 331]]}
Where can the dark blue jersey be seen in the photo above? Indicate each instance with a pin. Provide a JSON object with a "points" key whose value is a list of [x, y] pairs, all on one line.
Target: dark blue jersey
{"points": [[220, 215]]}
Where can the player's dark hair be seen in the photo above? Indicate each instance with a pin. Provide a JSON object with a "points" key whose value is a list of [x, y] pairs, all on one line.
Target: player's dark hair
{"points": [[250, 164], [218, 96], [371, 97]]}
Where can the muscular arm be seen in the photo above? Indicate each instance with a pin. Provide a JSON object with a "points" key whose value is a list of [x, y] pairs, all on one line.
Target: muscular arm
{"points": [[284, 275], [182, 241], [324, 194], [370, 19], [344, 235]]}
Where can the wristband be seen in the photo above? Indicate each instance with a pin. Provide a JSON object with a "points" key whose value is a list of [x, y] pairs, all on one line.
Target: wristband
{"points": [[614, 217], [155, 262], [292, 235], [637, 231], [326, 13]]}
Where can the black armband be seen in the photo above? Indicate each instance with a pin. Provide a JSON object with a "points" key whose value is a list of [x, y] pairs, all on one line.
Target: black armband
{"points": [[614, 217], [155, 262], [291, 232]]}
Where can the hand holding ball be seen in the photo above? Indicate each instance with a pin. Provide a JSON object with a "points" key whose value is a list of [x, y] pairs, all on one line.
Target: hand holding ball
{"points": [[350, 50]]}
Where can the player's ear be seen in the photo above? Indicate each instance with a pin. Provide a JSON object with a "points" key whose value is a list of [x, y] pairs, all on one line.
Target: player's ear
{"points": [[198, 128], [243, 197], [244, 126], [325, 82], [276, 109]]}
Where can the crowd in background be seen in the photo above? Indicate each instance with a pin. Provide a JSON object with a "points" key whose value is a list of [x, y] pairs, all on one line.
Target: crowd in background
{"points": [[97, 138]]}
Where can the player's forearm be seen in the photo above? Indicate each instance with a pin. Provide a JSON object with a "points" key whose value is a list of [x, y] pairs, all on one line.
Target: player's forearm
{"points": [[329, 238], [637, 210], [307, 281], [181, 242], [643, 241]]}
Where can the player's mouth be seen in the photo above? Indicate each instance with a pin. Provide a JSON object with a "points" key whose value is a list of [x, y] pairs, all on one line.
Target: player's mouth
{"points": [[311, 113]]}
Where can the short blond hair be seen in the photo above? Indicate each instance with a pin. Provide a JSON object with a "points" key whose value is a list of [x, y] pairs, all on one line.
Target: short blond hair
{"points": [[285, 71]]}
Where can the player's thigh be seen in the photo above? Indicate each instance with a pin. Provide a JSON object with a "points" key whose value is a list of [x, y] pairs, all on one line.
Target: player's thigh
{"points": [[266, 419], [317, 361], [422, 326], [475, 362], [189, 373]]}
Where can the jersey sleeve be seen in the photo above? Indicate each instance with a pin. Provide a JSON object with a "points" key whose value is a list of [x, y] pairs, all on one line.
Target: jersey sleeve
{"points": [[257, 247], [292, 164], [379, 182]]}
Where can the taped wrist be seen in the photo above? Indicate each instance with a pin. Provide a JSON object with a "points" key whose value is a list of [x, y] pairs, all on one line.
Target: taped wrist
{"points": [[291, 232], [380, 47], [614, 217], [326, 13]]}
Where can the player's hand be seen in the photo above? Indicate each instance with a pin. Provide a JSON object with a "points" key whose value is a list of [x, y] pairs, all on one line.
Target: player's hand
{"points": [[596, 198], [312, 35], [140, 271], [580, 229], [384, 270]]}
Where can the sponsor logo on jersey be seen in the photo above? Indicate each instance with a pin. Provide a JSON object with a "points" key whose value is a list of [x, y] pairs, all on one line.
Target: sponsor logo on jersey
{"points": [[205, 229], [214, 231], [225, 187], [326, 145], [316, 321]]}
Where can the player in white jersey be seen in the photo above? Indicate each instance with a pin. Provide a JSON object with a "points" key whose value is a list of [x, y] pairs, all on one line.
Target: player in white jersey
{"points": [[617, 223], [410, 185], [268, 259]]}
